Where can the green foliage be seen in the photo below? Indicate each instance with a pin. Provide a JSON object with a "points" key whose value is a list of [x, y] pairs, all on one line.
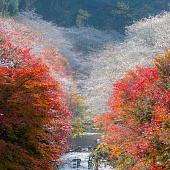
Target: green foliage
{"points": [[82, 17], [9, 6], [79, 119], [62, 12], [120, 15], [111, 14], [26, 4]]}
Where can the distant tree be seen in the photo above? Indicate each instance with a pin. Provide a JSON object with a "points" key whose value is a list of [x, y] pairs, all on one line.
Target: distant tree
{"points": [[119, 16], [144, 39], [82, 17], [63, 12], [108, 14], [9, 6], [26, 4]]}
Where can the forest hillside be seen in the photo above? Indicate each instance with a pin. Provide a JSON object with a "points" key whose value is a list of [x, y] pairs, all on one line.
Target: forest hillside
{"points": [[56, 77], [101, 14]]}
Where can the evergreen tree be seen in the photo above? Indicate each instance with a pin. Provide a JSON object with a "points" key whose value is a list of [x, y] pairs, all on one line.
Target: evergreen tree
{"points": [[9, 6]]}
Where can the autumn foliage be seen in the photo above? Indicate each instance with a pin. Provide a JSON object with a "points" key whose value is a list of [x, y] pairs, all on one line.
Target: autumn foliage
{"points": [[137, 127], [34, 119]]}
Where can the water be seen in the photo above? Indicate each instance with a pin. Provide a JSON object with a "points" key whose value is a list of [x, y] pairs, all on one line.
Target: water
{"points": [[67, 160], [67, 163]]}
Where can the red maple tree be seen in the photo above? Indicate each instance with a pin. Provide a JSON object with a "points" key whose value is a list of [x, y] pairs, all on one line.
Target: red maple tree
{"points": [[34, 119], [138, 123]]}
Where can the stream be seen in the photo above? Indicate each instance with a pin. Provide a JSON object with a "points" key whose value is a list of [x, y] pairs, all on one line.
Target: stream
{"points": [[68, 164]]}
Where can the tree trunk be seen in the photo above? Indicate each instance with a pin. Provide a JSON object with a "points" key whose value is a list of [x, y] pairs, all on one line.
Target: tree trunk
{"points": [[52, 2]]}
